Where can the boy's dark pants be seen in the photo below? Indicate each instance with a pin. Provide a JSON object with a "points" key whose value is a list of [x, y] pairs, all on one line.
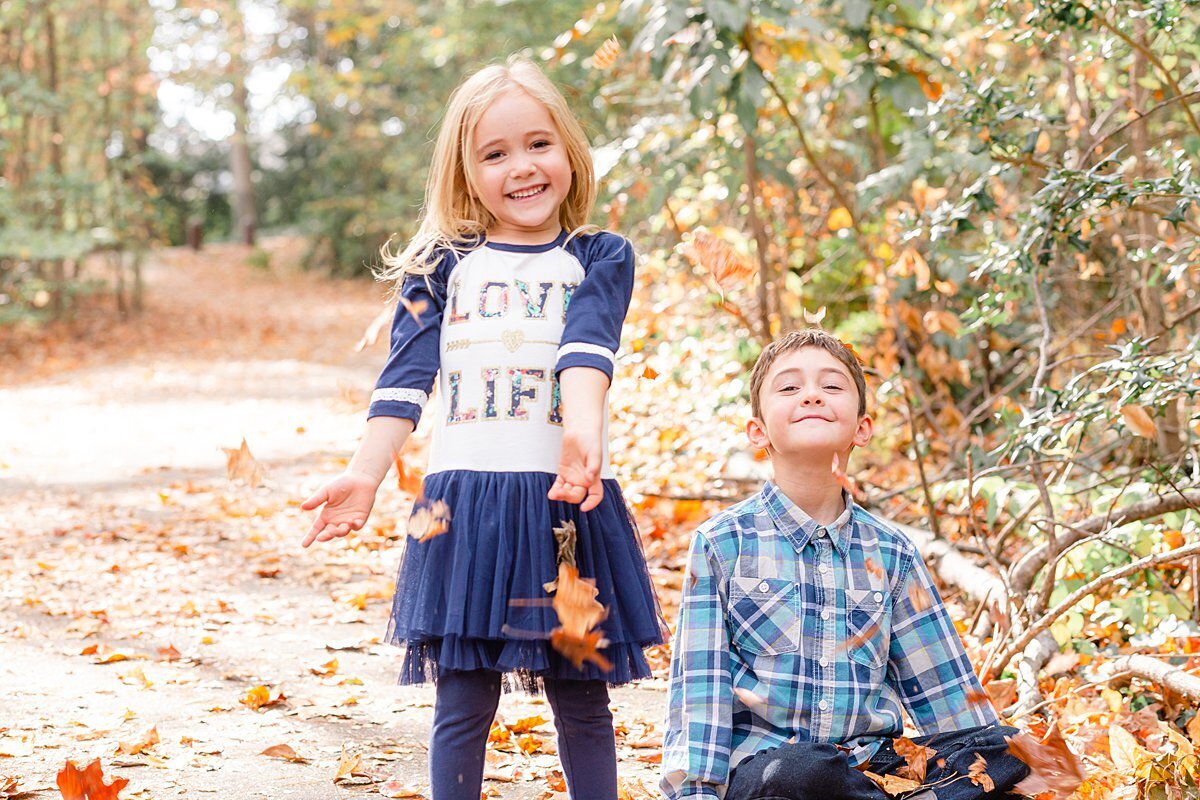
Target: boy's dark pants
{"points": [[812, 771]]}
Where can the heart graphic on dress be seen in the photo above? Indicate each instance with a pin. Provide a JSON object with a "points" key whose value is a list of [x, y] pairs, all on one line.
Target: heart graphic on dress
{"points": [[512, 340]]}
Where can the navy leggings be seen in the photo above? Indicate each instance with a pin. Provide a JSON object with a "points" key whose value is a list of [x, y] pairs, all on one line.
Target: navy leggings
{"points": [[462, 716]]}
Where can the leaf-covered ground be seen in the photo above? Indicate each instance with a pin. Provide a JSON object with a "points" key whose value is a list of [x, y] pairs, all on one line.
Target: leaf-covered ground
{"points": [[162, 618]]}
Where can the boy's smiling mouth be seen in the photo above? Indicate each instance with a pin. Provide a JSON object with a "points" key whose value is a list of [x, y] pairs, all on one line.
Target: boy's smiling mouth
{"points": [[525, 194]]}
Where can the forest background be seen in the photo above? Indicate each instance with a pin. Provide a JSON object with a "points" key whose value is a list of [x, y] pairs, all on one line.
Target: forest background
{"points": [[995, 203]]}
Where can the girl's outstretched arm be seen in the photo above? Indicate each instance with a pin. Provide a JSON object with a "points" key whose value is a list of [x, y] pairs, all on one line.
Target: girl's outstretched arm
{"points": [[347, 499], [578, 481]]}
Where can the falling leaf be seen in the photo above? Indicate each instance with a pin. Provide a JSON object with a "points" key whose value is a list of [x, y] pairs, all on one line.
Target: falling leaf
{"points": [[88, 783], [860, 638], [839, 219], [919, 598], [1052, 766], [728, 267], [843, 479], [606, 55], [749, 699], [578, 613], [285, 752], [978, 774], [148, 740], [407, 479], [1139, 421], [916, 758], [1043, 143], [371, 334], [240, 464], [649, 373], [429, 521], [814, 317], [873, 568], [415, 310]]}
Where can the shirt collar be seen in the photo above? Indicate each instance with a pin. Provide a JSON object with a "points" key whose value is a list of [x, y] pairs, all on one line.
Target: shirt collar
{"points": [[798, 527]]}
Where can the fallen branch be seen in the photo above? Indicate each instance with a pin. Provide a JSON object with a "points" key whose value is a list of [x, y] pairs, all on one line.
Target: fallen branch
{"points": [[1151, 669], [1026, 569], [996, 665], [949, 564], [1029, 665]]}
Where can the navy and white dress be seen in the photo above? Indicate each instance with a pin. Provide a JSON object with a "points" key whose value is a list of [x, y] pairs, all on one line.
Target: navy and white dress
{"points": [[496, 326]]}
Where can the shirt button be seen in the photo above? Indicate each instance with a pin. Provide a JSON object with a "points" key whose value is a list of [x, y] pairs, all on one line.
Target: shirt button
{"points": [[764, 586], [825, 615], [879, 597], [822, 569], [824, 662], [823, 705]]}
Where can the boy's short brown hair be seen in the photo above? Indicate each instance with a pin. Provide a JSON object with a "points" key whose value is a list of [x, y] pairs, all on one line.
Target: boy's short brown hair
{"points": [[808, 337]]}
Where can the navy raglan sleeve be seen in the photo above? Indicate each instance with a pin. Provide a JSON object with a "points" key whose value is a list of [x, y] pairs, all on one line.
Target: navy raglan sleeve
{"points": [[407, 379], [597, 309]]}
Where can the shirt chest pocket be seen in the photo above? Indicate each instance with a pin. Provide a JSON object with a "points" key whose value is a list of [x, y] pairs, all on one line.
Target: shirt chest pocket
{"points": [[764, 614], [867, 618]]}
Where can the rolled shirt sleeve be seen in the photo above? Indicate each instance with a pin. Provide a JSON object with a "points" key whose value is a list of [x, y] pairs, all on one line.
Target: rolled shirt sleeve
{"points": [[698, 740], [407, 379], [598, 305]]}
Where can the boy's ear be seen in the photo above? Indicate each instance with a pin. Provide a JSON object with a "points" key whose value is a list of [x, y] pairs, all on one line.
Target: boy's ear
{"points": [[756, 432], [866, 427]]}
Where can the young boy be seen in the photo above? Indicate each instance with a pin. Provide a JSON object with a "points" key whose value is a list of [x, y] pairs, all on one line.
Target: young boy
{"points": [[806, 625]]}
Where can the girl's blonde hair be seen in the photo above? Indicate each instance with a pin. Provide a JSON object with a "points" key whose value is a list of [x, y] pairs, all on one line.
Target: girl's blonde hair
{"points": [[453, 216]]}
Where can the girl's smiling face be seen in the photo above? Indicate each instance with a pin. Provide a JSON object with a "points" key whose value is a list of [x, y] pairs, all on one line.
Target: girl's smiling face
{"points": [[521, 172]]}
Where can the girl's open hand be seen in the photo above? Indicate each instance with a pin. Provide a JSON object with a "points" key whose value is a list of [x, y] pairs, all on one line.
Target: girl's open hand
{"points": [[347, 502], [578, 478]]}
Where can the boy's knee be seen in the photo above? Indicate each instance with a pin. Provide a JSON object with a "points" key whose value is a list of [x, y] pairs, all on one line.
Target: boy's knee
{"points": [[796, 772]]}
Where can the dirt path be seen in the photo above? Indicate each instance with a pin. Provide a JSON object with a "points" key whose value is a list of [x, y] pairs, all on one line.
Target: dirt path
{"points": [[140, 588]]}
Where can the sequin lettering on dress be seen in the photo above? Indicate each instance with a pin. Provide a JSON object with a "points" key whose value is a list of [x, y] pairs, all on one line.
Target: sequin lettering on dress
{"points": [[568, 290], [555, 415], [455, 416], [490, 374], [493, 299], [455, 316], [535, 308], [517, 376]]}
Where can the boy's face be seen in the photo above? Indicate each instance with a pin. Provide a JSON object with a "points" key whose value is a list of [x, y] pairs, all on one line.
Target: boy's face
{"points": [[809, 408]]}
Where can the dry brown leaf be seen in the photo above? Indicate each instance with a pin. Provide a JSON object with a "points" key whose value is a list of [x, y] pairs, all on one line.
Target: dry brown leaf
{"points": [[88, 783], [606, 55], [240, 464], [285, 752], [260, 697], [407, 478], [415, 310], [429, 521], [349, 764], [1138, 420], [916, 758], [326, 670], [1053, 767], [978, 774], [893, 784], [148, 740], [919, 598], [396, 788], [169, 653]]}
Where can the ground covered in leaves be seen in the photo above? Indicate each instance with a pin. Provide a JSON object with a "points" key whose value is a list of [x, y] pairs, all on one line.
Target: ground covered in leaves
{"points": [[162, 618]]}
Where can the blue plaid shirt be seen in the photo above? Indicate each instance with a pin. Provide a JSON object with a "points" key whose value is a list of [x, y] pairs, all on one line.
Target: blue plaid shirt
{"points": [[793, 631]]}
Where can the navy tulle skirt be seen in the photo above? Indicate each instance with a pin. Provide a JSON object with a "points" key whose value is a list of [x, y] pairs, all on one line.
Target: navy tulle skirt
{"points": [[475, 598]]}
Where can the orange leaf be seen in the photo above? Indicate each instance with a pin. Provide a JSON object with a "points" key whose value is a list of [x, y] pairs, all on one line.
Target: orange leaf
{"points": [[919, 597], [148, 740], [916, 758], [1053, 767], [527, 724], [169, 653], [88, 784], [728, 267], [409, 480], [893, 784], [606, 55], [529, 744], [415, 310], [649, 373], [978, 774], [260, 697], [348, 765], [239, 463], [1139, 421], [285, 752]]}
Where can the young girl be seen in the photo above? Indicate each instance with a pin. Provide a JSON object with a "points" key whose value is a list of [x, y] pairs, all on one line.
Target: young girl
{"points": [[516, 306]]}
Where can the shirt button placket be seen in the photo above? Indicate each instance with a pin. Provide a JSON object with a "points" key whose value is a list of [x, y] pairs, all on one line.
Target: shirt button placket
{"points": [[824, 721]]}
